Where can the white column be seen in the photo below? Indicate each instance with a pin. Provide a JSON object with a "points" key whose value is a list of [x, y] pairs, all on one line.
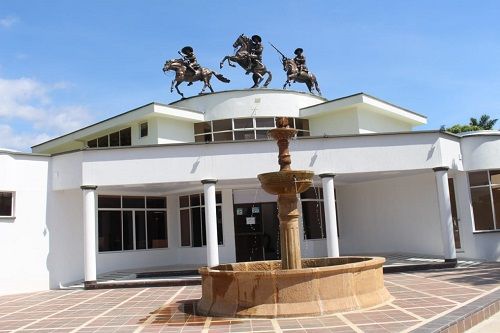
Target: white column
{"points": [[211, 222], [89, 234], [332, 239], [443, 193]]}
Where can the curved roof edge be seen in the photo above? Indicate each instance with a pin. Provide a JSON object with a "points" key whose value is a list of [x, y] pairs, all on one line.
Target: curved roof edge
{"points": [[256, 90]]}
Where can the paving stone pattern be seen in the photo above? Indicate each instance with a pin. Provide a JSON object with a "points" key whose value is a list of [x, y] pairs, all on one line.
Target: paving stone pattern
{"points": [[448, 300]]}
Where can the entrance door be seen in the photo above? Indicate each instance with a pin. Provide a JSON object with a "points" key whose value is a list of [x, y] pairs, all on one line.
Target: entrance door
{"points": [[256, 229], [454, 215]]}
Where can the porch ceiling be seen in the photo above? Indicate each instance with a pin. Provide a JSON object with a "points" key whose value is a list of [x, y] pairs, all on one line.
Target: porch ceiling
{"points": [[186, 187]]}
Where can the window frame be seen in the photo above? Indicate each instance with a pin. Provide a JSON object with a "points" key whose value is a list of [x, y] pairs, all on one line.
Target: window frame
{"points": [[12, 207], [321, 203], [133, 211], [146, 129], [210, 135], [88, 143], [489, 186], [201, 206]]}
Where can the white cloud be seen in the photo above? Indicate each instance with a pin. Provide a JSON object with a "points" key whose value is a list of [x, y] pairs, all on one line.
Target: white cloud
{"points": [[30, 103], [10, 139], [8, 21]]}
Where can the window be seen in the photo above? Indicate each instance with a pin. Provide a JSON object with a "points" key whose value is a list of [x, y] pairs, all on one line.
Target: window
{"points": [[143, 129], [243, 129], [485, 197], [6, 204], [313, 213], [115, 139], [132, 223], [192, 219]]}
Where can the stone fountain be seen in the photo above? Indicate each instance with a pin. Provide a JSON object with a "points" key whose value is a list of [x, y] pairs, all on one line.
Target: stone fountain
{"points": [[292, 286]]}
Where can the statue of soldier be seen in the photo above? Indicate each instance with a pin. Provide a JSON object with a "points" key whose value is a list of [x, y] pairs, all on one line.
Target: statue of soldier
{"points": [[190, 61], [300, 61], [255, 54]]}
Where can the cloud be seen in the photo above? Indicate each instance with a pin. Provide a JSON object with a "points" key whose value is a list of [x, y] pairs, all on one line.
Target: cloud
{"points": [[8, 21], [30, 103], [11, 139]]}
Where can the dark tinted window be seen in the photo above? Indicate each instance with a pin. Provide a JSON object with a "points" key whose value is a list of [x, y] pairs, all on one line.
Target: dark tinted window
{"points": [[201, 128], [92, 143], [223, 125], [133, 202], [126, 137], [243, 123], [114, 139], [144, 129], [110, 230], [103, 141], [109, 201], [6, 204]]}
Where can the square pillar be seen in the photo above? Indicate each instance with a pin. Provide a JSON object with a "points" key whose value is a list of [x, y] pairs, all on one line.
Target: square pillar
{"points": [[443, 194], [211, 222], [89, 235], [332, 239]]}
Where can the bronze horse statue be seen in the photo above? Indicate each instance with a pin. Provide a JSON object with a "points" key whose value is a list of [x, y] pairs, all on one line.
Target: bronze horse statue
{"points": [[242, 58], [182, 74], [292, 75]]}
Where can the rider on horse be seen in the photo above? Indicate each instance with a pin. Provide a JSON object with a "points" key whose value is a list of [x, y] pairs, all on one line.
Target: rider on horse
{"points": [[189, 60], [255, 53], [300, 61]]}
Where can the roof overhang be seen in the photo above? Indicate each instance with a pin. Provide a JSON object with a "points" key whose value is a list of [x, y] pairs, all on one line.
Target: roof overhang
{"points": [[367, 102], [148, 111]]}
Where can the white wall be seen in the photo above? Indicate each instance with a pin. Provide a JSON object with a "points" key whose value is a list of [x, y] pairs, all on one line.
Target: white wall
{"points": [[244, 160], [250, 103], [24, 241], [370, 121], [337, 123], [173, 131], [481, 152], [391, 215], [65, 223]]}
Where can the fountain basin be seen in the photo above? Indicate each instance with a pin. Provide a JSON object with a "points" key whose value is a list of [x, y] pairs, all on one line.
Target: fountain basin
{"points": [[286, 181], [263, 289]]}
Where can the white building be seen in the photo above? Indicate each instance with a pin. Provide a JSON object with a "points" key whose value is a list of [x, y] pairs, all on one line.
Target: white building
{"points": [[131, 191]]}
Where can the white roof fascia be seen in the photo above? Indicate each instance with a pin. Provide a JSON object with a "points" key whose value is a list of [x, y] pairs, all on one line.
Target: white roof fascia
{"points": [[146, 111], [362, 99], [177, 113], [394, 111]]}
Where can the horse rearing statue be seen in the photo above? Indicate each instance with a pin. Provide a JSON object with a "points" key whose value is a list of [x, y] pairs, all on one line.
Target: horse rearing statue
{"points": [[292, 75], [182, 74], [242, 58]]}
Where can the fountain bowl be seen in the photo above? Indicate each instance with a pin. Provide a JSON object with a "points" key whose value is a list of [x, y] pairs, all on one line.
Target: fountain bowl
{"points": [[286, 181], [263, 290]]}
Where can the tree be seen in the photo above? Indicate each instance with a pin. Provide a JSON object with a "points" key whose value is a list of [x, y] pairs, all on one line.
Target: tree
{"points": [[484, 123]]}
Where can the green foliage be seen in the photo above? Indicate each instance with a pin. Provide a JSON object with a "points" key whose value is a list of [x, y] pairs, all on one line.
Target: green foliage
{"points": [[484, 123]]}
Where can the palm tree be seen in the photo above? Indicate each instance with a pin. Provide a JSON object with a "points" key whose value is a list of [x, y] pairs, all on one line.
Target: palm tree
{"points": [[484, 122]]}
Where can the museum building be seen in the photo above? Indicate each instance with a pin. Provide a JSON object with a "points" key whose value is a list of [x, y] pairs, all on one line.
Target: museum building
{"points": [[145, 188]]}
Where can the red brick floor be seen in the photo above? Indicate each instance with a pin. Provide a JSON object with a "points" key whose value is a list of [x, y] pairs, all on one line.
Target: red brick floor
{"points": [[419, 298]]}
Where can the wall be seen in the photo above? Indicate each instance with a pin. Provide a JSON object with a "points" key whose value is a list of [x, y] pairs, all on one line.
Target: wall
{"points": [[24, 241], [391, 215], [172, 131], [65, 223], [370, 121], [193, 162], [250, 103], [481, 152], [340, 122]]}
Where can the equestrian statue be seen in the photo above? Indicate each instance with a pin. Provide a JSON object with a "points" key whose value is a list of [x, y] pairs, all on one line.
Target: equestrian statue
{"points": [[187, 69], [249, 56], [297, 71]]}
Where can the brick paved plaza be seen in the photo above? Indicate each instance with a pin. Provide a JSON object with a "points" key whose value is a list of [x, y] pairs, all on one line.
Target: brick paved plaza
{"points": [[423, 301]]}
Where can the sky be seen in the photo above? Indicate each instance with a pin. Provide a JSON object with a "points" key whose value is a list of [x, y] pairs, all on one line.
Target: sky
{"points": [[68, 64]]}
